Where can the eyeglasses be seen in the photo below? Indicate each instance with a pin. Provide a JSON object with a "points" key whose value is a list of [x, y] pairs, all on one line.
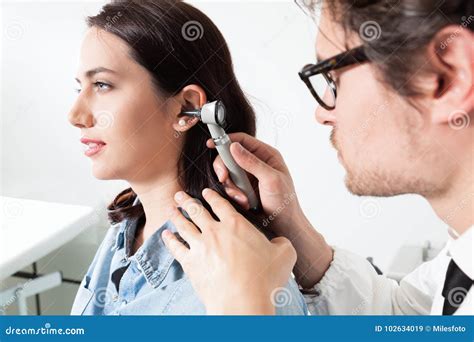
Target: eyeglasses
{"points": [[319, 81]]}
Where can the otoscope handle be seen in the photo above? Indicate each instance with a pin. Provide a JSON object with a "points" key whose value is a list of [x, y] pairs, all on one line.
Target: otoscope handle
{"points": [[237, 174]]}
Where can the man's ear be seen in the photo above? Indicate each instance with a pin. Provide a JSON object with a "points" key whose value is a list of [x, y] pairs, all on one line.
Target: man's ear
{"points": [[190, 97], [451, 53]]}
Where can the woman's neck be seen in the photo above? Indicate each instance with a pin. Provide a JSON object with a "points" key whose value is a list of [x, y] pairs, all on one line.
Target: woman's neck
{"points": [[156, 196]]}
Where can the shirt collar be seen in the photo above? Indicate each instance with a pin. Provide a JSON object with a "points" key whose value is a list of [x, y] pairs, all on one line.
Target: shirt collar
{"points": [[124, 226], [153, 256], [460, 249]]}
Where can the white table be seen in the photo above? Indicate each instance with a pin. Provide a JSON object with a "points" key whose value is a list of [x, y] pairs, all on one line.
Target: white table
{"points": [[29, 230]]}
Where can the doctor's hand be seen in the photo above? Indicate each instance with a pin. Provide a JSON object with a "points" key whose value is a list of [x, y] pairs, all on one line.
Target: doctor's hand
{"points": [[279, 202], [275, 185], [232, 266]]}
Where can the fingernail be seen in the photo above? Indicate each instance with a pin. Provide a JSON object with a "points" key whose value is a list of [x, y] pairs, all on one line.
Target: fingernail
{"points": [[165, 234], [238, 198], [205, 191], [179, 196]]}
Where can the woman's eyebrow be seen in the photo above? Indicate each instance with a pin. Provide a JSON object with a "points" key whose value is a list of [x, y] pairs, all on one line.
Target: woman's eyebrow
{"points": [[97, 70]]}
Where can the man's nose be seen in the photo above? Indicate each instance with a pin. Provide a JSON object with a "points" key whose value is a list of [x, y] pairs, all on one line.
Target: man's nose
{"points": [[325, 117], [80, 115]]}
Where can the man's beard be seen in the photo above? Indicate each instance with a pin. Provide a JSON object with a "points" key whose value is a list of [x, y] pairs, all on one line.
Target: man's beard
{"points": [[379, 182]]}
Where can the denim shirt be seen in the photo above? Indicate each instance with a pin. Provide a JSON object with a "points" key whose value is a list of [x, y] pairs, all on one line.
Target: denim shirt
{"points": [[150, 282]]}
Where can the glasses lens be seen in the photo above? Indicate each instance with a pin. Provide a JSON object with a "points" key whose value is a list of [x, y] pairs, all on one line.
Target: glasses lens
{"points": [[324, 89]]}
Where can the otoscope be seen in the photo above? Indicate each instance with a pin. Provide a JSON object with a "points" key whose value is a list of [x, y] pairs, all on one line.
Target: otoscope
{"points": [[213, 114]]}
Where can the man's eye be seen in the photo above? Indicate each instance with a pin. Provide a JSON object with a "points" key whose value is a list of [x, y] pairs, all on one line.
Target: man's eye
{"points": [[334, 76]]}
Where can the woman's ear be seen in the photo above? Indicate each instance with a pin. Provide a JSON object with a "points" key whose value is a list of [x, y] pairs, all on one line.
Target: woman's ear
{"points": [[451, 54], [190, 97]]}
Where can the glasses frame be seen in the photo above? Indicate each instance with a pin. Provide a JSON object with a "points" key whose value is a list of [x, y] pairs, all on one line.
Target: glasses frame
{"points": [[344, 59]]}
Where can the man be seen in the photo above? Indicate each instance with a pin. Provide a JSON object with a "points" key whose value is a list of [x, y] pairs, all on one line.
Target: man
{"points": [[397, 91]]}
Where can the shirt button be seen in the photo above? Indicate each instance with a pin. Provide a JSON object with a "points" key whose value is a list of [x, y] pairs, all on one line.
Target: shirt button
{"points": [[124, 302], [124, 260], [115, 297]]}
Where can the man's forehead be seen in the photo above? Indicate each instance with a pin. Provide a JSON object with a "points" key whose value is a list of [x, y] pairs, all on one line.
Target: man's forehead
{"points": [[330, 39]]}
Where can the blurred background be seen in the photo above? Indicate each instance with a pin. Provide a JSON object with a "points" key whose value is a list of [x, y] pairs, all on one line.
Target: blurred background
{"points": [[42, 159]]}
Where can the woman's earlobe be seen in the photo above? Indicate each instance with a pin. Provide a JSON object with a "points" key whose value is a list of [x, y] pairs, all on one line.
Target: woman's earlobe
{"points": [[185, 123]]}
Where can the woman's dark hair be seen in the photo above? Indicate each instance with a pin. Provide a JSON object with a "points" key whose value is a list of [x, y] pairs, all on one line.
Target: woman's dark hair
{"points": [[179, 45], [396, 33]]}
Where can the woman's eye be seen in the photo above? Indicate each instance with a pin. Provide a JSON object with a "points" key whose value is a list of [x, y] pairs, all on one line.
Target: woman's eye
{"points": [[102, 85]]}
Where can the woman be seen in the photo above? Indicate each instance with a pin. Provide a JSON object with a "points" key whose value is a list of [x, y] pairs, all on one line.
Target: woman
{"points": [[141, 64]]}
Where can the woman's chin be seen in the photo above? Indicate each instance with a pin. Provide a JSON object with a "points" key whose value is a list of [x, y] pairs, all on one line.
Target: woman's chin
{"points": [[103, 174]]}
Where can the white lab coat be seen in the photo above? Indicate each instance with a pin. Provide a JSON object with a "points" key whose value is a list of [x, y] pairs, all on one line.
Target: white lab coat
{"points": [[352, 287]]}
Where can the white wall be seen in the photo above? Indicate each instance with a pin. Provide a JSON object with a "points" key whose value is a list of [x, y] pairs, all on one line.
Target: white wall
{"points": [[270, 41]]}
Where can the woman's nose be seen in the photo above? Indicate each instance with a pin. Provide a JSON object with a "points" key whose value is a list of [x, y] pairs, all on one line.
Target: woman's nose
{"points": [[80, 116], [325, 117]]}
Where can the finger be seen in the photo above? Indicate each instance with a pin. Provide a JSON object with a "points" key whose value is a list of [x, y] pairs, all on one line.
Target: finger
{"points": [[220, 206], [194, 208], [221, 170], [223, 174], [263, 151], [250, 162], [230, 188], [186, 229], [176, 248], [237, 195], [210, 143]]}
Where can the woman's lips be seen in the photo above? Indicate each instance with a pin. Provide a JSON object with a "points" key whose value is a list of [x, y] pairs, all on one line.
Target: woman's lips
{"points": [[93, 146]]}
